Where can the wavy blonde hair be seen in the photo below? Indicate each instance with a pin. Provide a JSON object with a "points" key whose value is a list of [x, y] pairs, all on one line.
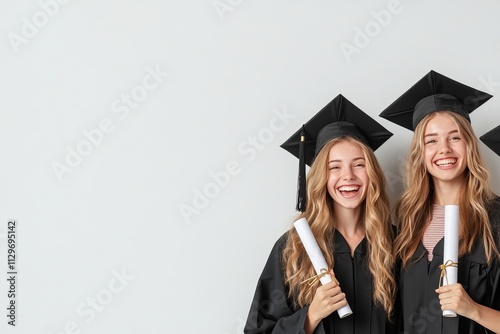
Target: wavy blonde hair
{"points": [[319, 213], [414, 208]]}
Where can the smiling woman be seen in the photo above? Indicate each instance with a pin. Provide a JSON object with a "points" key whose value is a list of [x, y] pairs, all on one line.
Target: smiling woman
{"points": [[347, 178], [347, 209], [445, 151], [445, 168]]}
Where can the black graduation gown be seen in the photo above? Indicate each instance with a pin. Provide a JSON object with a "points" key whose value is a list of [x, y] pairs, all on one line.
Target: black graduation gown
{"points": [[273, 312], [421, 309]]}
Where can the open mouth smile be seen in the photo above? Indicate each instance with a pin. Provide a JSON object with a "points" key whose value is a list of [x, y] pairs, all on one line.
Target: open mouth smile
{"points": [[349, 192], [446, 162], [348, 188]]}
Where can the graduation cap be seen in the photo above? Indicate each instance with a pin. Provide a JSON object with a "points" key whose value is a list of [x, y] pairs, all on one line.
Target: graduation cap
{"points": [[492, 139], [339, 118], [434, 92]]}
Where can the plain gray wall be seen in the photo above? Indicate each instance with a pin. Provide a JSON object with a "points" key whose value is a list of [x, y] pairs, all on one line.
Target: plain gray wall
{"points": [[176, 110]]}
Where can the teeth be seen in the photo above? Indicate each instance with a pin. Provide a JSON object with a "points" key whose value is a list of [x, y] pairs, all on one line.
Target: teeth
{"points": [[349, 188], [446, 162]]}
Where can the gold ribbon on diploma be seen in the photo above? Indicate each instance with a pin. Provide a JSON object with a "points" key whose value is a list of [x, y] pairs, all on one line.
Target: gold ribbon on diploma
{"points": [[444, 274], [315, 279]]}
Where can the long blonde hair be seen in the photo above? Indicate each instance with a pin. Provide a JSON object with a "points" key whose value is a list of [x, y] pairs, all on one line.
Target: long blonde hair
{"points": [[414, 207], [319, 213]]}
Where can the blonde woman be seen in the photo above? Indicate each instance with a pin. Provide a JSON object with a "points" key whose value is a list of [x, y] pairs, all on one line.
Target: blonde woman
{"points": [[445, 167], [348, 211]]}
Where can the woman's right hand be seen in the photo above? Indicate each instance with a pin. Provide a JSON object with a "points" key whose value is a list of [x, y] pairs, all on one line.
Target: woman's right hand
{"points": [[327, 299]]}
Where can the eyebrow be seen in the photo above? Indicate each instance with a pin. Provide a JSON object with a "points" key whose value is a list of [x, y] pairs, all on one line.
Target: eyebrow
{"points": [[435, 134], [338, 160]]}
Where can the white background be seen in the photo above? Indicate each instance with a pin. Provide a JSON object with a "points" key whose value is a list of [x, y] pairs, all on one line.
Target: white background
{"points": [[233, 66]]}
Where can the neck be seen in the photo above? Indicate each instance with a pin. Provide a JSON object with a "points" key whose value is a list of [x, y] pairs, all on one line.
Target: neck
{"points": [[446, 193], [348, 224], [347, 221]]}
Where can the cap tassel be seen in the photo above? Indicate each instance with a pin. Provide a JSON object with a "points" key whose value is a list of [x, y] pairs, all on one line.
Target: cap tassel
{"points": [[301, 182]]}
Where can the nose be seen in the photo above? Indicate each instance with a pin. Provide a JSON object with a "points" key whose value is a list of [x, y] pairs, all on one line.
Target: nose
{"points": [[348, 174], [445, 148]]}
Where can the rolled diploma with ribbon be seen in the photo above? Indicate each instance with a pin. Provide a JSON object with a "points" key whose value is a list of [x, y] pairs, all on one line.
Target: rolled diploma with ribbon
{"points": [[317, 258], [449, 271]]}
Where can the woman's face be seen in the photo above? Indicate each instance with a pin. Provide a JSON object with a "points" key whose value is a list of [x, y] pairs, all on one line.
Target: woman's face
{"points": [[347, 176], [445, 150]]}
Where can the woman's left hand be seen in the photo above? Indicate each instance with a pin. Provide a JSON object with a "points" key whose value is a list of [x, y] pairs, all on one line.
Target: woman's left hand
{"points": [[453, 297]]}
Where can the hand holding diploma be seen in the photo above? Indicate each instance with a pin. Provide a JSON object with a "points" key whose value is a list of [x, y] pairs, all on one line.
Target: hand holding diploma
{"points": [[452, 296], [327, 299], [329, 295], [454, 299]]}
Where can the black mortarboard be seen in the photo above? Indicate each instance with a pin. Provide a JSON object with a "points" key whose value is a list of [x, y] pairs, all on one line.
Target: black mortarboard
{"points": [[339, 118], [434, 92], [492, 139]]}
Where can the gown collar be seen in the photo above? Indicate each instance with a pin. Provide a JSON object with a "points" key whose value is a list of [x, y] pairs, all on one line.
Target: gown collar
{"points": [[477, 254], [341, 245]]}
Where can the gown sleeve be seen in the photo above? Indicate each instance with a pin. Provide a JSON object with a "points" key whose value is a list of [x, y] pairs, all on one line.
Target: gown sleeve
{"points": [[271, 310]]}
